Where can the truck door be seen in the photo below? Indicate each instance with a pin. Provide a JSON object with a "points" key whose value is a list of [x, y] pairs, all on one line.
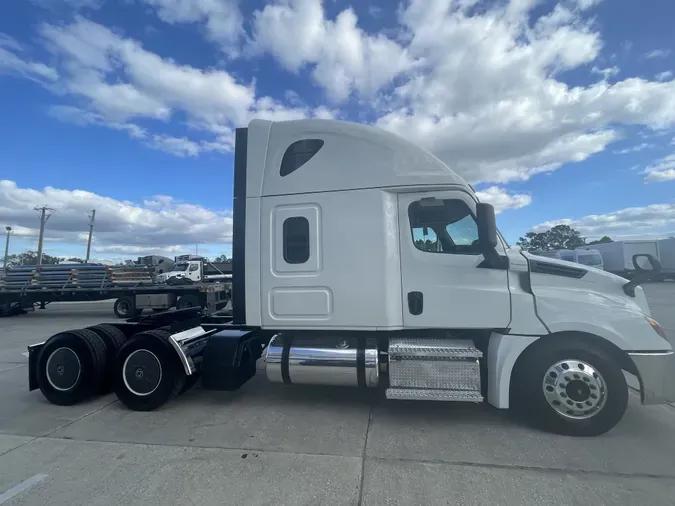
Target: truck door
{"points": [[194, 271], [445, 279]]}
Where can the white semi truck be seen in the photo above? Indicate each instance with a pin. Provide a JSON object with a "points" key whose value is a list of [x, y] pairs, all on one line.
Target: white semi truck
{"points": [[190, 269], [334, 284]]}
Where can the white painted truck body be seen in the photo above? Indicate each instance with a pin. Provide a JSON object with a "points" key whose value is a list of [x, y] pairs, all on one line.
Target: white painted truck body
{"points": [[667, 253], [192, 270], [355, 194], [361, 259], [617, 256]]}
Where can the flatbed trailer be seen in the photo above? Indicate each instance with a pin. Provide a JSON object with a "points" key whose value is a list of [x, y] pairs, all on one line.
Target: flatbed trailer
{"points": [[443, 308], [130, 300]]}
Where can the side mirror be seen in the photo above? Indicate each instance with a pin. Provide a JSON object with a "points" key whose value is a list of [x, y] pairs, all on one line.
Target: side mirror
{"points": [[645, 262], [487, 228], [645, 267]]}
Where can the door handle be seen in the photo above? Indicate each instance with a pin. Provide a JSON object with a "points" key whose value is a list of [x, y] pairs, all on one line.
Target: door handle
{"points": [[415, 303]]}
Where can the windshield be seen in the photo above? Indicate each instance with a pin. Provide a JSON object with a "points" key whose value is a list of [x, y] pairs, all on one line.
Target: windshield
{"points": [[593, 259], [180, 267]]}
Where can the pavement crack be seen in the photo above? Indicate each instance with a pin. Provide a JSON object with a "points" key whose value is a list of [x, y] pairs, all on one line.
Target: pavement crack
{"points": [[89, 413], [363, 456], [19, 446], [540, 469]]}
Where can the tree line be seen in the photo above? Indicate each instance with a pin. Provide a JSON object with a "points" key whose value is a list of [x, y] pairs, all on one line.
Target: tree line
{"points": [[558, 237]]}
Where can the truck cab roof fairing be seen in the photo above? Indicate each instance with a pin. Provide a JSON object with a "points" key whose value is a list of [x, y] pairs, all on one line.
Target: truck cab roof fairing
{"points": [[353, 156]]}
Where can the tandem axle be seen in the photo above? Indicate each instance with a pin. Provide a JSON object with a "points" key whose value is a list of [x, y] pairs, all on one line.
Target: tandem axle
{"points": [[148, 361]]}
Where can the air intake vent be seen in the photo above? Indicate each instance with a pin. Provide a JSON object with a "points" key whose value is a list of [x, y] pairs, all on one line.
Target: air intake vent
{"points": [[556, 270]]}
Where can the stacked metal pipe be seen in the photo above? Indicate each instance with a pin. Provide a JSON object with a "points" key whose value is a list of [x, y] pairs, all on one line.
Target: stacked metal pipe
{"points": [[71, 276]]}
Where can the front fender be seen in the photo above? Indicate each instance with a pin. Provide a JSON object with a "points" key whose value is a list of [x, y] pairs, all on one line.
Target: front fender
{"points": [[612, 317]]}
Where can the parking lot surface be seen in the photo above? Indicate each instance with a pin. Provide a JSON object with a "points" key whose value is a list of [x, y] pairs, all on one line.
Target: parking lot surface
{"points": [[270, 444]]}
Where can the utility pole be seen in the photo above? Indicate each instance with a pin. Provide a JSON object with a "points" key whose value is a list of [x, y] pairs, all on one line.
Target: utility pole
{"points": [[91, 232], [8, 232], [43, 220]]}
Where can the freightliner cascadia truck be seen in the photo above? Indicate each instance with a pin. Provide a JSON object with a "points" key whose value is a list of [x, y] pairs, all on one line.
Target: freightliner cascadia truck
{"points": [[362, 260]]}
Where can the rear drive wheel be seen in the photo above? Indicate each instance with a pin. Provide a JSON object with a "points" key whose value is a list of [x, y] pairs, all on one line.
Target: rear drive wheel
{"points": [[71, 367], [125, 307], [570, 387], [148, 371], [113, 339], [189, 300]]}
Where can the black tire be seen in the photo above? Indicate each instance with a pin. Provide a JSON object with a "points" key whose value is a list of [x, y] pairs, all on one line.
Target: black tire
{"points": [[71, 367], [113, 339], [188, 300], [148, 372], [527, 388], [125, 307]]}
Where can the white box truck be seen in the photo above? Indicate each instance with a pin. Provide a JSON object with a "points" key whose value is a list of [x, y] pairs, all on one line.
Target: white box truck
{"points": [[333, 284], [617, 256], [667, 258]]}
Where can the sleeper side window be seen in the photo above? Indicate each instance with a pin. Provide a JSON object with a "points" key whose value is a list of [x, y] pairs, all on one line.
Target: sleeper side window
{"points": [[296, 240], [443, 226]]}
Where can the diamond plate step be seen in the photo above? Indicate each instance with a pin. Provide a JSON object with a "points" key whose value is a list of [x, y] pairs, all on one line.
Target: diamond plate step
{"points": [[430, 347], [428, 394], [434, 369]]}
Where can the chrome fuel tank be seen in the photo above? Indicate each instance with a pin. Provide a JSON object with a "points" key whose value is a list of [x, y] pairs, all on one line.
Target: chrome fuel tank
{"points": [[322, 361]]}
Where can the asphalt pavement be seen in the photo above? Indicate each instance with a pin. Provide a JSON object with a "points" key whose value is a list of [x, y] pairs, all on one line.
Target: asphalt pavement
{"points": [[276, 445]]}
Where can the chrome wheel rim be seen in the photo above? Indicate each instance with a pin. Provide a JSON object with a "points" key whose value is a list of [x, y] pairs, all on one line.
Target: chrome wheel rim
{"points": [[63, 369], [142, 372], [575, 389]]}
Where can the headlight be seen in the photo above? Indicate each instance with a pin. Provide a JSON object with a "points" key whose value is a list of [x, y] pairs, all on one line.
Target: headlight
{"points": [[657, 327]]}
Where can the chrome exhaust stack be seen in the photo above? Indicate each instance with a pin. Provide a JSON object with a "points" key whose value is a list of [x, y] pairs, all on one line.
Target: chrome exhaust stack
{"points": [[329, 361]]}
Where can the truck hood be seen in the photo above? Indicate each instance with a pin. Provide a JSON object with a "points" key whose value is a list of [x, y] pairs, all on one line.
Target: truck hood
{"points": [[596, 285]]}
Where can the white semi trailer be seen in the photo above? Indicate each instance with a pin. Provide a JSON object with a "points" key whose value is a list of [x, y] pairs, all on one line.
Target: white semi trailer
{"points": [[334, 283]]}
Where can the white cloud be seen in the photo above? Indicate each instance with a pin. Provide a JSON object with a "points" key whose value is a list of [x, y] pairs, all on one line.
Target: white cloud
{"points": [[664, 76], [488, 99], [605, 73], [634, 149], [222, 19], [483, 88], [13, 62], [661, 171], [657, 220], [160, 224], [118, 81], [658, 53], [502, 200], [343, 57]]}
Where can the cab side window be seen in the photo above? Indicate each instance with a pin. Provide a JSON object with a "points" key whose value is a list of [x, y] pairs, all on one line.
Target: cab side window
{"points": [[443, 226]]}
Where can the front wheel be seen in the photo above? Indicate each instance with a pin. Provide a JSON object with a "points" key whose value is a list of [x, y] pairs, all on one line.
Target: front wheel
{"points": [[570, 387]]}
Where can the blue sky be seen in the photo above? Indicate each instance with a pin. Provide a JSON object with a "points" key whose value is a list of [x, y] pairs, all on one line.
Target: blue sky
{"points": [[553, 110]]}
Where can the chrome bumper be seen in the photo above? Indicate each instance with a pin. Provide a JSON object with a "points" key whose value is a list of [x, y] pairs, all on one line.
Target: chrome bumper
{"points": [[656, 372]]}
